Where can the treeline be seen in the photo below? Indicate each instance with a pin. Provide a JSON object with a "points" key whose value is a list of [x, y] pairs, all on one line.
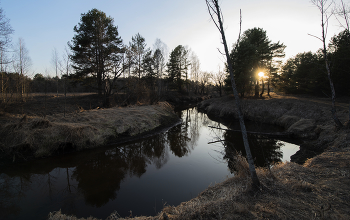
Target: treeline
{"points": [[258, 67], [306, 72], [100, 60], [97, 60]]}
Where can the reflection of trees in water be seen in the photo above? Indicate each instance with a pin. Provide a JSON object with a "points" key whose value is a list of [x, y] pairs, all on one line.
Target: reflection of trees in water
{"points": [[184, 137], [265, 151], [10, 193], [178, 141], [97, 175], [100, 177]]}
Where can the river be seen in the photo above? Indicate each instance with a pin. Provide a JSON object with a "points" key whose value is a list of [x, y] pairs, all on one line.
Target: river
{"points": [[135, 178]]}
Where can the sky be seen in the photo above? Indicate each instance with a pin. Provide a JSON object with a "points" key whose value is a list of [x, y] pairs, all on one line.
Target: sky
{"points": [[45, 25]]}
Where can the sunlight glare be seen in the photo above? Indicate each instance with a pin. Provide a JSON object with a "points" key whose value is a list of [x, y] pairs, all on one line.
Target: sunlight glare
{"points": [[261, 74]]}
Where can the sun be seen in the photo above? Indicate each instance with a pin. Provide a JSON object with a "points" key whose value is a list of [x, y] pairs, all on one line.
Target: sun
{"points": [[261, 74]]}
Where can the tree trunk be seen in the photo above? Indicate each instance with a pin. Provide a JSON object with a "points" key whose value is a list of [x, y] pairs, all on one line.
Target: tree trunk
{"points": [[334, 111], [256, 89], [263, 88], [255, 179]]}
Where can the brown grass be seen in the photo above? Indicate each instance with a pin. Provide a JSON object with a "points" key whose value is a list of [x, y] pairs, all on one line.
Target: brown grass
{"points": [[320, 189], [85, 129]]}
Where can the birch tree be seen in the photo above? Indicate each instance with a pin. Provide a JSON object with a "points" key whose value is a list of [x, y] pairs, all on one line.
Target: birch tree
{"points": [[21, 65], [215, 11], [324, 7], [55, 62]]}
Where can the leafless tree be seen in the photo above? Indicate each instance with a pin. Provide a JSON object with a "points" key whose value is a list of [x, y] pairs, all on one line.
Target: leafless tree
{"points": [[195, 71], [5, 39], [204, 80], [56, 64], [342, 11], [219, 79], [21, 65], [65, 70], [215, 11], [161, 55], [324, 7]]}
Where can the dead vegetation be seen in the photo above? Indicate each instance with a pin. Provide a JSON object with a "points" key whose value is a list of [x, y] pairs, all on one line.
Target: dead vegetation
{"points": [[319, 189], [23, 136], [304, 118]]}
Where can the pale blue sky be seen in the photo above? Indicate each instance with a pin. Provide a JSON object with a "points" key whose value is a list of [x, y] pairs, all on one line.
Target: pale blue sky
{"points": [[48, 24]]}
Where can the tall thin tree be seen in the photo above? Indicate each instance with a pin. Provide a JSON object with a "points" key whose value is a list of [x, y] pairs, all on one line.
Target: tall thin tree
{"points": [[55, 62], [215, 10], [5, 39], [323, 7]]}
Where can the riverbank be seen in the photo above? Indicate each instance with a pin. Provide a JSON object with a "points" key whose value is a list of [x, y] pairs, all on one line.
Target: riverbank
{"points": [[306, 119], [319, 189], [316, 189], [23, 137]]}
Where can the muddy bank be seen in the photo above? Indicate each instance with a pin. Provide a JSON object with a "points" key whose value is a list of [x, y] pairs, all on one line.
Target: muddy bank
{"points": [[24, 137], [303, 119]]}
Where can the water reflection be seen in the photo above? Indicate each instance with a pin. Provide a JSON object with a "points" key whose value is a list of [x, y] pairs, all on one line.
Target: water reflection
{"points": [[175, 166], [265, 151]]}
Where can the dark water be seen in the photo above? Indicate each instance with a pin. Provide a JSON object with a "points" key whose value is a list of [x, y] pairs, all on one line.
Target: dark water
{"points": [[139, 177]]}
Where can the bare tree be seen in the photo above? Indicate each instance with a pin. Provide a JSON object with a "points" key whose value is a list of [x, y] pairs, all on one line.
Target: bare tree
{"points": [[204, 80], [5, 39], [161, 55], [219, 79], [214, 10], [65, 70], [195, 71], [55, 62], [21, 65], [342, 11], [324, 7]]}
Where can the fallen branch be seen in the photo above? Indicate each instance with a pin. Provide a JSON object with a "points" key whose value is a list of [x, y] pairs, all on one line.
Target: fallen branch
{"points": [[276, 134]]}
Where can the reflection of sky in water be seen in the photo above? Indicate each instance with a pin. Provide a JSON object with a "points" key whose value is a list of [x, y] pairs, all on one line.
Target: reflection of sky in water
{"points": [[288, 150]]}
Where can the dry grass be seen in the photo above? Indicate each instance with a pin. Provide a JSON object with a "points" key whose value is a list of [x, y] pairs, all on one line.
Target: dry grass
{"points": [[42, 136], [319, 189]]}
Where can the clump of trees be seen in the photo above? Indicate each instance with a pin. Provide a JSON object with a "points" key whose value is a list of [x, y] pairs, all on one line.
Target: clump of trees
{"points": [[100, 60], [305, 73], [254, 53]]}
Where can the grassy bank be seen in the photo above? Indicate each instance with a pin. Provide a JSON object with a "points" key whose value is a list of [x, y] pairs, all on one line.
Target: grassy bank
{"points": [[316, 189], [319, 189], [26, 136], [304, 118]]}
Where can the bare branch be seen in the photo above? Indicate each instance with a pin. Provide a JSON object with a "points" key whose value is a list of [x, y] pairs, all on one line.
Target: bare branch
{"points": [[315, 36], [221, 52], [210, 9]]}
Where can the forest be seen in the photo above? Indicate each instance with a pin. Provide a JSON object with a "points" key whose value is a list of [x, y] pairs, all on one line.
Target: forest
{"points": [[97, 61]]}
